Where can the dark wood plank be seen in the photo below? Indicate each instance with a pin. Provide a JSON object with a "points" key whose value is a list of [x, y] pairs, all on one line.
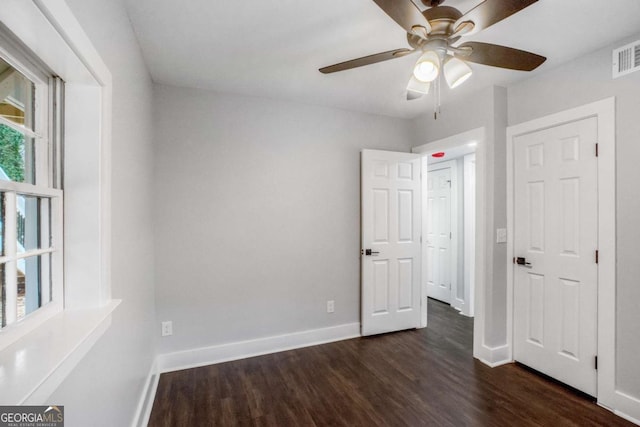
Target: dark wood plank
{"points": [[422, 377]]}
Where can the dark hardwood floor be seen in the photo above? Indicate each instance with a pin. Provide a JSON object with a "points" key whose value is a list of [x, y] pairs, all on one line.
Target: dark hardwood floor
{"points": [[424, 377]]}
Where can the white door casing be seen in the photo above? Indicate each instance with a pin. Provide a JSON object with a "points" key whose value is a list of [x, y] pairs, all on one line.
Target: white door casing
{"points": [[439, 233], [391, 229], [556, 232], [469, 234]]}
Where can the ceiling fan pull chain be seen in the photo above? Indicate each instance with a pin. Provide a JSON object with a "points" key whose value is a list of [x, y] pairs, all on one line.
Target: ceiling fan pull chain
{"points": [[439, 92], [435, 100], [436, 97]]}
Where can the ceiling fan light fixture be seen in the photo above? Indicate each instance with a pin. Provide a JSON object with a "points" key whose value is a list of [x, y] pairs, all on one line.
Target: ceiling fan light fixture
{"points": [[416, 85], [456, 72], [427, 68], [417, 89]]}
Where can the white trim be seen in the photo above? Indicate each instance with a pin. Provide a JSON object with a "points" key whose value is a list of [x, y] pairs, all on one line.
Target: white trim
{"points": [[484, 211], [605, 112], [627, 407], [19, 128], [494, 356], [67, 337], [194, 358], [61, 18], [469, 232], [29, 189], [145, 402], [67, 26], [48, 29]]}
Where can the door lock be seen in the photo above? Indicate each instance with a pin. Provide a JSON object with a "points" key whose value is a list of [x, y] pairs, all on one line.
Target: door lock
{"points": [[369, 252]]}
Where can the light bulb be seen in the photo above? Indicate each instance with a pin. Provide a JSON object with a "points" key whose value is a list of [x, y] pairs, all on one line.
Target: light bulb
{"points": [[427, 67]]}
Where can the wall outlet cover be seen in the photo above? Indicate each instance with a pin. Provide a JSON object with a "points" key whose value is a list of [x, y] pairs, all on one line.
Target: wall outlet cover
{"points": [[167, 328], [331, 306]]}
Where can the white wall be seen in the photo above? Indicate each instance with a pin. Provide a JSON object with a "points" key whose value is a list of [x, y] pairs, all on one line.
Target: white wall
{"points": [[258, 214], [586, 80], [105, 387]]}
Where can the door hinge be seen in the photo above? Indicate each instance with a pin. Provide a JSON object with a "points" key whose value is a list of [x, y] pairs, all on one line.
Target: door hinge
{"points": [[596, 149], [596, 362], [597, 256]]}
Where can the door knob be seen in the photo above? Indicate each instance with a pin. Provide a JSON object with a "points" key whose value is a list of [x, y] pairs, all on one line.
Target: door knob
{"points": [[521, 261], [369, 252]]}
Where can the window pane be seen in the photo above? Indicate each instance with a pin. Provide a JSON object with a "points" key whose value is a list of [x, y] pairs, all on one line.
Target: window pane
{"points": [[33, 223], [33, 274], [17, 156], [16, 96]]}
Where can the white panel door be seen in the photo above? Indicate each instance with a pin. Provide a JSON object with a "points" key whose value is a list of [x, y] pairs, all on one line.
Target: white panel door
{"points": [[555, 289], [438, 235], [391, 228]]}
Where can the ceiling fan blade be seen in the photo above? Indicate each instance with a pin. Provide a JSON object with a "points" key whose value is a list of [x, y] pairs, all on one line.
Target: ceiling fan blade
{"points": [[366, 60], [405, 13], [490, 12], [500, 56]]}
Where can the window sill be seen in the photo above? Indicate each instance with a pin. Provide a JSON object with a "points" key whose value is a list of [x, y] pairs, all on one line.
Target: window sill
{"points": [[34, 366]]}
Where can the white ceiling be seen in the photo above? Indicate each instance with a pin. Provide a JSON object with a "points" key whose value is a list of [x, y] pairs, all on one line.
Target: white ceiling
{"points": [[273, 48]]}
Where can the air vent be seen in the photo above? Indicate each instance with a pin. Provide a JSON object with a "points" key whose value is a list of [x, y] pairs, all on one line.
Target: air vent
{"points": [[626, 59]]}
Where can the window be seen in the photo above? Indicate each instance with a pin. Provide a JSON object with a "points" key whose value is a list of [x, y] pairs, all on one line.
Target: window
{"points": [[56, 42], [30, 194]]}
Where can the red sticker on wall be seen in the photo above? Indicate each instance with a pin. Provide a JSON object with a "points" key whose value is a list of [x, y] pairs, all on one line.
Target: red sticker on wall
{"points": [[440, 154]]}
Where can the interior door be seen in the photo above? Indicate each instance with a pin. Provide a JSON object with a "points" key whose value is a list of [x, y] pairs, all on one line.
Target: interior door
{"points": [[555, 277], [391, 228], [439, 234]]}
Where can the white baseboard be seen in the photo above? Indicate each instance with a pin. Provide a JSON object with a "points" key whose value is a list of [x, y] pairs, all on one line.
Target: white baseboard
{"points": [[243, 349], [494, 356], [627, 407], [233, 351], [145, 403]]}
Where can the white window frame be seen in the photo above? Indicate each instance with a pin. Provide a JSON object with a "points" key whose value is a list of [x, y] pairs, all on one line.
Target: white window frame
{"points": [[50, 32], [43, 117]]}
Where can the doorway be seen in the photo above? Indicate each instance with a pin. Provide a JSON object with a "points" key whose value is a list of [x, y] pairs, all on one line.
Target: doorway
{"points": [[450, 236], [563, 302], [555, 244], [441, 233]]}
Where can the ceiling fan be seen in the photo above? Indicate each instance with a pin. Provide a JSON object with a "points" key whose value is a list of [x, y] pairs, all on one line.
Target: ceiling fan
{"points": [[435, 33]]}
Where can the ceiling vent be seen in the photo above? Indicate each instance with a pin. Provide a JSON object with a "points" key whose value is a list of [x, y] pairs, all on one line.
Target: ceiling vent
{"points": [[626, 59]]}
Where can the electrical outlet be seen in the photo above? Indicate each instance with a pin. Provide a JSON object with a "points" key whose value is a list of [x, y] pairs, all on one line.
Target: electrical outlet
{"points": [[167, 328], [331, 306]]}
